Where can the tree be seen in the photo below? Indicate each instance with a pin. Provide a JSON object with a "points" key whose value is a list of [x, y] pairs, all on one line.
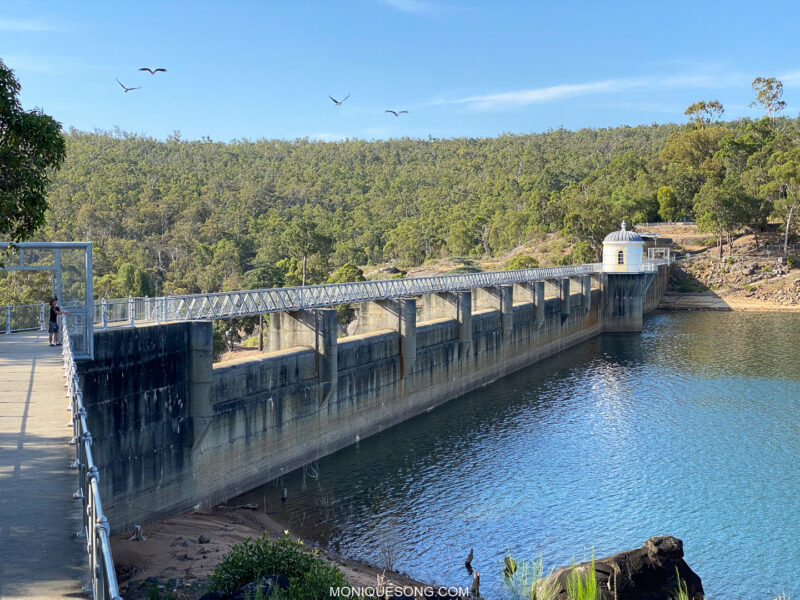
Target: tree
{"points": [[784, 188], [347, 272], [263, 275], [768, 94], [303, 239], [703, 112], [722, 208], [668, 208], [31, 146], [522, 261]]}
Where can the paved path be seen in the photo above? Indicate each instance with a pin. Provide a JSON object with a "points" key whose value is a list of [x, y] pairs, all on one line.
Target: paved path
{"points": [[40, 556]]}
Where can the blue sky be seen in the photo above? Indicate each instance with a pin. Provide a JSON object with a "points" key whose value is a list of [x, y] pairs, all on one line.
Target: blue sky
{"points": [[461, 68]]}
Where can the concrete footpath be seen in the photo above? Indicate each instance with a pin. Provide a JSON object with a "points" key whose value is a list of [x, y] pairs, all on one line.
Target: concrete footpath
{"points": [[40, 556]]}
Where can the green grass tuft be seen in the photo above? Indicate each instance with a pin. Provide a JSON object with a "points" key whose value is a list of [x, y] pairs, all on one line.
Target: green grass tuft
{"points": [[582, 587]]}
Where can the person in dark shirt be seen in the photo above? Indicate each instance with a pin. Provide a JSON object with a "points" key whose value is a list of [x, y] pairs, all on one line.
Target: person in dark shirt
{"points": [[52, 328]]}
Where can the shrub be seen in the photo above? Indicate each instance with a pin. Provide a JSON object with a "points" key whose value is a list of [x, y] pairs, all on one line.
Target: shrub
{"points": [[582, 587], [683, 590], [730, 260], [310, 576], [522, 261], [524, 581], [791, 261]]}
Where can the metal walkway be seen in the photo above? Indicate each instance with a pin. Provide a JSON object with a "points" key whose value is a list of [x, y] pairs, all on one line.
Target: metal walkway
{"points": [[40, 556]]}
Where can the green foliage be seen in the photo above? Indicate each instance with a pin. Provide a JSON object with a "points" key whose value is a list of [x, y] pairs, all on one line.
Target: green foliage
{"points": [[525, 581], [791, 261], [730, 260], [702, 112], [583, 253], [310, 576], [668, 208], [582, 587], [31, 147], [347, 272], [522, 261], [683, 590]]}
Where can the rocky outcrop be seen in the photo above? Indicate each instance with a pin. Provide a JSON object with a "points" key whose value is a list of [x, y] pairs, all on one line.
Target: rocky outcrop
{"points": [[647, 573]]}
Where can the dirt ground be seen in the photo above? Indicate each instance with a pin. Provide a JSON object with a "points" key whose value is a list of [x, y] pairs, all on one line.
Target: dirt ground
{"points": [[172, 553]]}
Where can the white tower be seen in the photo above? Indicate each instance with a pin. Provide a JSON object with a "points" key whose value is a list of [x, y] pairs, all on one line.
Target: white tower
{"points": [[623, 252]]}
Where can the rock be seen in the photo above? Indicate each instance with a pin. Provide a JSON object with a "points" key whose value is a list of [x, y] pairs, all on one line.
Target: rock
{"points": [[267, 585], [204, 539], [647, 573], [213, 596], [188, 543]]}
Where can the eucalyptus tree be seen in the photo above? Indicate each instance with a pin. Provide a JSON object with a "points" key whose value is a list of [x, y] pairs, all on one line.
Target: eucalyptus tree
{"points": [[31, 147]]}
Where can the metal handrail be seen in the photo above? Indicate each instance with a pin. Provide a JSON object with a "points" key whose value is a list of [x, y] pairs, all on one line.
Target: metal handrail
{"points": [[94, 530], [245, 303]]}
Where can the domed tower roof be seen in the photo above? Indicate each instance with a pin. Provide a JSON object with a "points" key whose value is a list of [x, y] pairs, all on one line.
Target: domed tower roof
{"points": [[623, 235]]}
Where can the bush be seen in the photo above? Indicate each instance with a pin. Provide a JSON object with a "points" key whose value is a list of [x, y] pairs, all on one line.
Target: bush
{"points": [[522, 261], [582, 587], [730, 260], [791, 261], [310, 576]]}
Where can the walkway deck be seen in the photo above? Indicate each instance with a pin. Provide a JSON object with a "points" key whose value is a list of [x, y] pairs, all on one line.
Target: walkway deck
{"points": [[40, 556]]}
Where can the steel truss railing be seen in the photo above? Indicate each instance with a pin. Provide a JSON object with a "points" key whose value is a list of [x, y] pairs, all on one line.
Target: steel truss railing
{"points": [[254, 302], [223, 305], [94, 529]]}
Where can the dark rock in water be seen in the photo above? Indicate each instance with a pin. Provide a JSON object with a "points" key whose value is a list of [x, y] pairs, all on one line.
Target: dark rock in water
{"points": [[204, 539], [267, 585], [647, 573]]}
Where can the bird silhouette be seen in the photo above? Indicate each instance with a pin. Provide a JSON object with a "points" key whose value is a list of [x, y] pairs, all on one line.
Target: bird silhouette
{"points": [[339, 102], [127, 89], [396, 113], [153, 71]]}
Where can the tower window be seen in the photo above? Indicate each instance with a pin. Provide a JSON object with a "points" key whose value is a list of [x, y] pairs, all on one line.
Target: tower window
{"points": [[620, 258]]}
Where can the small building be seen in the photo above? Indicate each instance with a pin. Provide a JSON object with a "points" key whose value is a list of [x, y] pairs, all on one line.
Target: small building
{"points": [[623, 252]]}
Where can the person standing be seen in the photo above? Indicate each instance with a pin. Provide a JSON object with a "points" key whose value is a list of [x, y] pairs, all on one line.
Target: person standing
{"points": [[52, 328]]}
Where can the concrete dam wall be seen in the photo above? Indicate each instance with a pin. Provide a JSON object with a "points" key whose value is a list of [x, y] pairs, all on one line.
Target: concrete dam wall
{"points": [[172, 431]]}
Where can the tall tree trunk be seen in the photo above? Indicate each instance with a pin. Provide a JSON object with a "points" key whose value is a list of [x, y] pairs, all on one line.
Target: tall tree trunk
{"points": [[755, 237], [304, 269], [719, 245], [730, 244], [786, 233]]}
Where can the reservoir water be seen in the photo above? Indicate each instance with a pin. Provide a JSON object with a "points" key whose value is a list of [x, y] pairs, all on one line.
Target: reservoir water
{"points": [[690, 429]]}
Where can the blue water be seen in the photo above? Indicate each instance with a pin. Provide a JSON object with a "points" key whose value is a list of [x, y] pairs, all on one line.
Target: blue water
{"points": [[690, 429]]}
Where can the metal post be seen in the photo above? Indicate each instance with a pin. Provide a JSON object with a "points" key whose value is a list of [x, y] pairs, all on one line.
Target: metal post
{"points": [[132, 311], [88, 292], [8, 320], [146, 308], [42, 315], [57, 254], [155, 306], [105, 314]]}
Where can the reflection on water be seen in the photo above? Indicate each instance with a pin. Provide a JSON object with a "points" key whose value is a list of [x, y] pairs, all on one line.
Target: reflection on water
{"points": [[689, 429]]}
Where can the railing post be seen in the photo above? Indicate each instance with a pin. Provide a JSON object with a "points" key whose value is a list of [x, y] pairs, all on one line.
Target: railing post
{"points": [[8, 319], [146, 308], [155, 306], [105, 314], [132, 311], [42, 316]]}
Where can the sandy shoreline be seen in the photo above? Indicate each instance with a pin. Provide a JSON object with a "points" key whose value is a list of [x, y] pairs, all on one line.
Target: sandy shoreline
{"points": [[172, 550]]}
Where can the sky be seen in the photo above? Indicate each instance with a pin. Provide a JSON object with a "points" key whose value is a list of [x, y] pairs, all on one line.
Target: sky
{"points": [[265, 69]]}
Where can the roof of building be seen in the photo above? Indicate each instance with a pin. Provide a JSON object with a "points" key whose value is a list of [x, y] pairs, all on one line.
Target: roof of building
{"points": [[623, 235]]}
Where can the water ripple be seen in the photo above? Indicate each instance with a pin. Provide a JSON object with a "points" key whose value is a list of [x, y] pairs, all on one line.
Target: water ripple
{"points": [[689, 429]]}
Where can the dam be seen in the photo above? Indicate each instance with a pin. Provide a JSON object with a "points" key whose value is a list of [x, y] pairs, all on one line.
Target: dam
{"points": [[173, 431]]}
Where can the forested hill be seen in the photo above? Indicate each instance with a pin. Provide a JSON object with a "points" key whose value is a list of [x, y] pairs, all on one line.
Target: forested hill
{"points": [[195, 216]]}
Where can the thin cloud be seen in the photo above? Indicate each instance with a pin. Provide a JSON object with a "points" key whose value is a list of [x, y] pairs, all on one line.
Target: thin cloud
{"points": [[553, 93], [22, 25], [792, 78], [411, 6]]}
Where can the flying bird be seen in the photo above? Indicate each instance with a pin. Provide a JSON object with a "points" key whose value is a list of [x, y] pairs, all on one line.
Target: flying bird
{"points": [[153, 71], [339, 102], [396, 113], [127, 89]]}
